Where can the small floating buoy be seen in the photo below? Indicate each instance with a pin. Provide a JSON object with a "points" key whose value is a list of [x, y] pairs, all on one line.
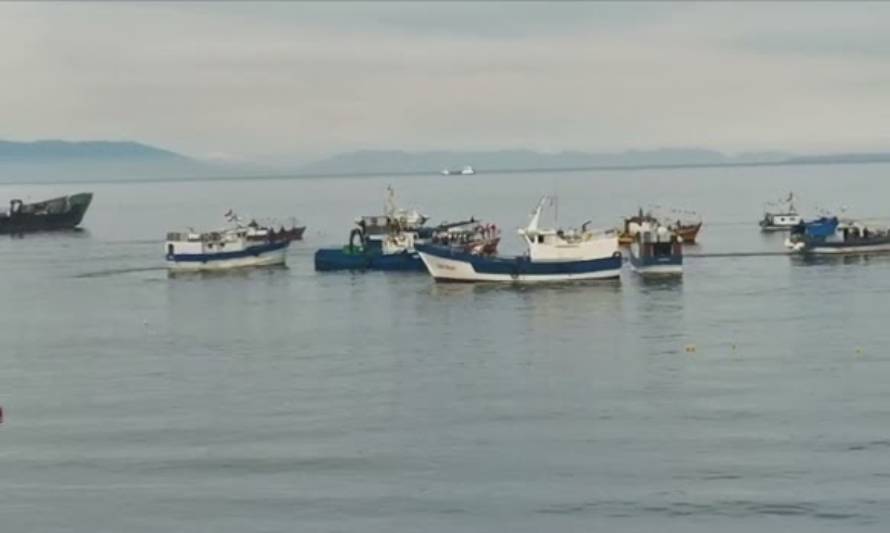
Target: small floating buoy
{"points": [[690, 348], [1, 414]]}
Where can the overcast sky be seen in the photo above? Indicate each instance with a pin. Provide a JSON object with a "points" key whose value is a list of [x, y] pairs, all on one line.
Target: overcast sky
{"points": [[261, 80]]}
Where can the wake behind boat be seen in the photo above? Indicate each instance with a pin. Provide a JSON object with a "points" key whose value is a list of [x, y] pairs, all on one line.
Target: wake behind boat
{"points": [[65, 212], [240, 246], [553, 255]]}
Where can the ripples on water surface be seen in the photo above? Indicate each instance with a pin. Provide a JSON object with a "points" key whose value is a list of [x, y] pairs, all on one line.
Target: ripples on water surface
{"points": [[751, 394]]}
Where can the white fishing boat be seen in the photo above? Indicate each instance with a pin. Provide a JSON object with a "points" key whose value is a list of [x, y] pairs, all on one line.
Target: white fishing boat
{"points": [[553, 255], [656, 250], [783, 218], [239, 246]]}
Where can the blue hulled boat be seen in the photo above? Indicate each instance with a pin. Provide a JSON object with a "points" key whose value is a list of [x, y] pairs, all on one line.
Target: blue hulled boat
{"points": [[370, 253], [831, 235], [553, 255], [656, 250], [388, 242]]}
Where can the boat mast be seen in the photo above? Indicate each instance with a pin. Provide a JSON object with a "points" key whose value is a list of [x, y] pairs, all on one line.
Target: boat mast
{"points": [[555, 202], [389, 204], [536, 215]]}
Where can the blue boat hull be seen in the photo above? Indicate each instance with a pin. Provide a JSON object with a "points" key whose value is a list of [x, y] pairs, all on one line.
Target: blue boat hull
{"points": [[329, 259], [672, 264], [449, 265]]}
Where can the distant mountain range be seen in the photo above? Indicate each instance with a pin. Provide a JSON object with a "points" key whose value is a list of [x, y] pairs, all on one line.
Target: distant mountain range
{"points": [[61, 161], [55, 150], [54, 160]]}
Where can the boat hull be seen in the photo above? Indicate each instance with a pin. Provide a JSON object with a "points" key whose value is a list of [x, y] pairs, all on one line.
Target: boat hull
{"points": [[296, 233], [657, 266], [270, 254], [70, 218], [840, 249], [449, 265], [332, 259]]}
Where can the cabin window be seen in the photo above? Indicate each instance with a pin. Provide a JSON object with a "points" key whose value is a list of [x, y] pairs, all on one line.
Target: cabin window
{"points": [[540, 238], [661, 249], [169, 249]]}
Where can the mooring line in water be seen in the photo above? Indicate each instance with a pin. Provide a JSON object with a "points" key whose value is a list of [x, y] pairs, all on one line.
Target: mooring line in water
{"points": [[114, 271]]}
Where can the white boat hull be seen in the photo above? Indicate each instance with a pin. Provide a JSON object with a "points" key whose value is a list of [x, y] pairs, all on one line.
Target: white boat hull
{"points": [[446, 269], [269, 258]]}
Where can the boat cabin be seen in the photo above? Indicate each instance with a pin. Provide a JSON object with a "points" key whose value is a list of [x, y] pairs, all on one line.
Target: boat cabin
{"points": [[657, 242], [566, 245]]}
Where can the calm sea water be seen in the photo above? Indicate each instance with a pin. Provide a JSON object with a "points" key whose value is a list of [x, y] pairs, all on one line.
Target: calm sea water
{"points": [[754, 393]]}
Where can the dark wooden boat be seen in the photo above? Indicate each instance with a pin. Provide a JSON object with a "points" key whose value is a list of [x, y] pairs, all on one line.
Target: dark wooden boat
{"points": [[687, 230], [65, 212]]}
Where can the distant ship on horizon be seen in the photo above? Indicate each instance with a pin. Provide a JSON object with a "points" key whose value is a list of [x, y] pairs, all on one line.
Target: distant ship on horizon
{"points": [[466, 171]]}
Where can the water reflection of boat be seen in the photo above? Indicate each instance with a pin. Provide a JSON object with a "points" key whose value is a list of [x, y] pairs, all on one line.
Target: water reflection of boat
{"points": [[831, 235], [553, 255], [65, 212], [810, 260], [225, 273]]}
